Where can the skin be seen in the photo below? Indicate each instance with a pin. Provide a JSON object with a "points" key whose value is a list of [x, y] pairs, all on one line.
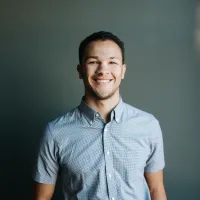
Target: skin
{"points": [[102, 71], [156, 185], [43, 191]]}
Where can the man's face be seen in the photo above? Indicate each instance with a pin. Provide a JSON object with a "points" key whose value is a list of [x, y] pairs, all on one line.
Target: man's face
{"points": [[102, 69]]}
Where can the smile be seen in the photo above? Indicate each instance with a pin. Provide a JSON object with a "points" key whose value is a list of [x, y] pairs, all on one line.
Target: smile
{"points": [[103, 81]]}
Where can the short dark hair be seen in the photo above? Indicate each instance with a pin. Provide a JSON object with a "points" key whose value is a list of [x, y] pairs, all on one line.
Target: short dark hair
{"points": [[102, 36]]}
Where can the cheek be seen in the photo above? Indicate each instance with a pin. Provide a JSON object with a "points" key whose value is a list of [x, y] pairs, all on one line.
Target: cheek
{"points": [[119, 73], [90, 71], [88, 76]]}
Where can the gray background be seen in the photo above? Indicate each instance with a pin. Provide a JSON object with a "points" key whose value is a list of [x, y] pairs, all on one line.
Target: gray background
{"points": [[39, 82]]}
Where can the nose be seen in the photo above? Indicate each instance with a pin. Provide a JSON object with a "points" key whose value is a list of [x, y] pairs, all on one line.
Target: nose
{"points": [[102, 69]]}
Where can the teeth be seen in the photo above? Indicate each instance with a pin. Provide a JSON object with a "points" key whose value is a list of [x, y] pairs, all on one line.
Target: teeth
{"points": [[102, 81]]}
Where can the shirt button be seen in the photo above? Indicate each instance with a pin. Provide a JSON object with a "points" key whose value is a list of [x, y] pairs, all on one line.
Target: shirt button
{"points": [[97, 115], [113, 198], [108, 152], [109, 175], [105, 129]]}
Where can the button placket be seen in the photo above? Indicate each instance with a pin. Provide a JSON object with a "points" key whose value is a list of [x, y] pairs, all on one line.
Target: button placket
{"points": [[108, 162]]}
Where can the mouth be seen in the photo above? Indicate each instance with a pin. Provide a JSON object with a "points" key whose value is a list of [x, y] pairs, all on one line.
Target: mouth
{"points": [[103, 81]]}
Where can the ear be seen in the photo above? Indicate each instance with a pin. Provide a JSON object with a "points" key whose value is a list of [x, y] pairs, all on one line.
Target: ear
{"points": [[123, 70], [79, 71]]}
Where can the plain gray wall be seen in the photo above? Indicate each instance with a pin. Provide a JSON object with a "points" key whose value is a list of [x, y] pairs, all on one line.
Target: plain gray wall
{"points": [[39, 82]]}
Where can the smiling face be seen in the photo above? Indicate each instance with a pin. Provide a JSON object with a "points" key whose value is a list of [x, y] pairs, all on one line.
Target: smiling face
{"points": [[102, 69]]}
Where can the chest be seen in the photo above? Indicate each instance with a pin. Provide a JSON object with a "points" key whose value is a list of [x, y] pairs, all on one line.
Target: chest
{"points": [[119, 147]]}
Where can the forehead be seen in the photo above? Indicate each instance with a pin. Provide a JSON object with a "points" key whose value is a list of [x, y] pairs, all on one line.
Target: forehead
{"points": [[103, 48]]}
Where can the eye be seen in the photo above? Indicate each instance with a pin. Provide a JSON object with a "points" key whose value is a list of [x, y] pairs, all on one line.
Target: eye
{"points": [[111, 62], [93, 62]]}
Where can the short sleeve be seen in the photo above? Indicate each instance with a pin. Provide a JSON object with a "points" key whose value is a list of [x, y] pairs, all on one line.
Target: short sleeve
{"points": [[156, 160], [46, 166]]}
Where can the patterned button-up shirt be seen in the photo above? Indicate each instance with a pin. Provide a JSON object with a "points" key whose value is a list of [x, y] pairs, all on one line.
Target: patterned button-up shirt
{"points": [[98, 160]]}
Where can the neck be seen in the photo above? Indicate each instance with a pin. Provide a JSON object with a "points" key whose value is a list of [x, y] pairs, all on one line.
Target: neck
{"points": [[104, 107]]}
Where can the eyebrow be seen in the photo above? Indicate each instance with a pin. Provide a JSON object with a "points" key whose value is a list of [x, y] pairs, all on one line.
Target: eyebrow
{"points": [[114, 58], [88, 57]]}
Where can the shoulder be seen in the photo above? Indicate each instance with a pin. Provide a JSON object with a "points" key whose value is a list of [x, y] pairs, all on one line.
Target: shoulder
{"points": [[60, 125], [142, 118], [68, 117], [139, 113]]}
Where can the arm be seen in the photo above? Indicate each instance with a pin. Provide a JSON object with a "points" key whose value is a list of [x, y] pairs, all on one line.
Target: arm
{"points": [[43, 191], [46, 168], [156, 185]]}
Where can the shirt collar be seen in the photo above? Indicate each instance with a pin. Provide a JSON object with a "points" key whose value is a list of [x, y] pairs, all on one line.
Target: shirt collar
{"points": [[118, 110], [90, 113], [87, 111]]}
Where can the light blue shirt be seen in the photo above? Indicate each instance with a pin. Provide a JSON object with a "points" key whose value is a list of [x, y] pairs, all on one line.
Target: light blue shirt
{"points": [[98, 160]]}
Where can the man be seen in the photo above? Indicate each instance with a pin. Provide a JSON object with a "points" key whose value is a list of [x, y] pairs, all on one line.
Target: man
{"points": [[104, 149]]}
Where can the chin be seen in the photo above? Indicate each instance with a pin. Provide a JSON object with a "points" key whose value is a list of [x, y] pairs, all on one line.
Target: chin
{"points": [[93, 92], [104, 96], [100, 97]]}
